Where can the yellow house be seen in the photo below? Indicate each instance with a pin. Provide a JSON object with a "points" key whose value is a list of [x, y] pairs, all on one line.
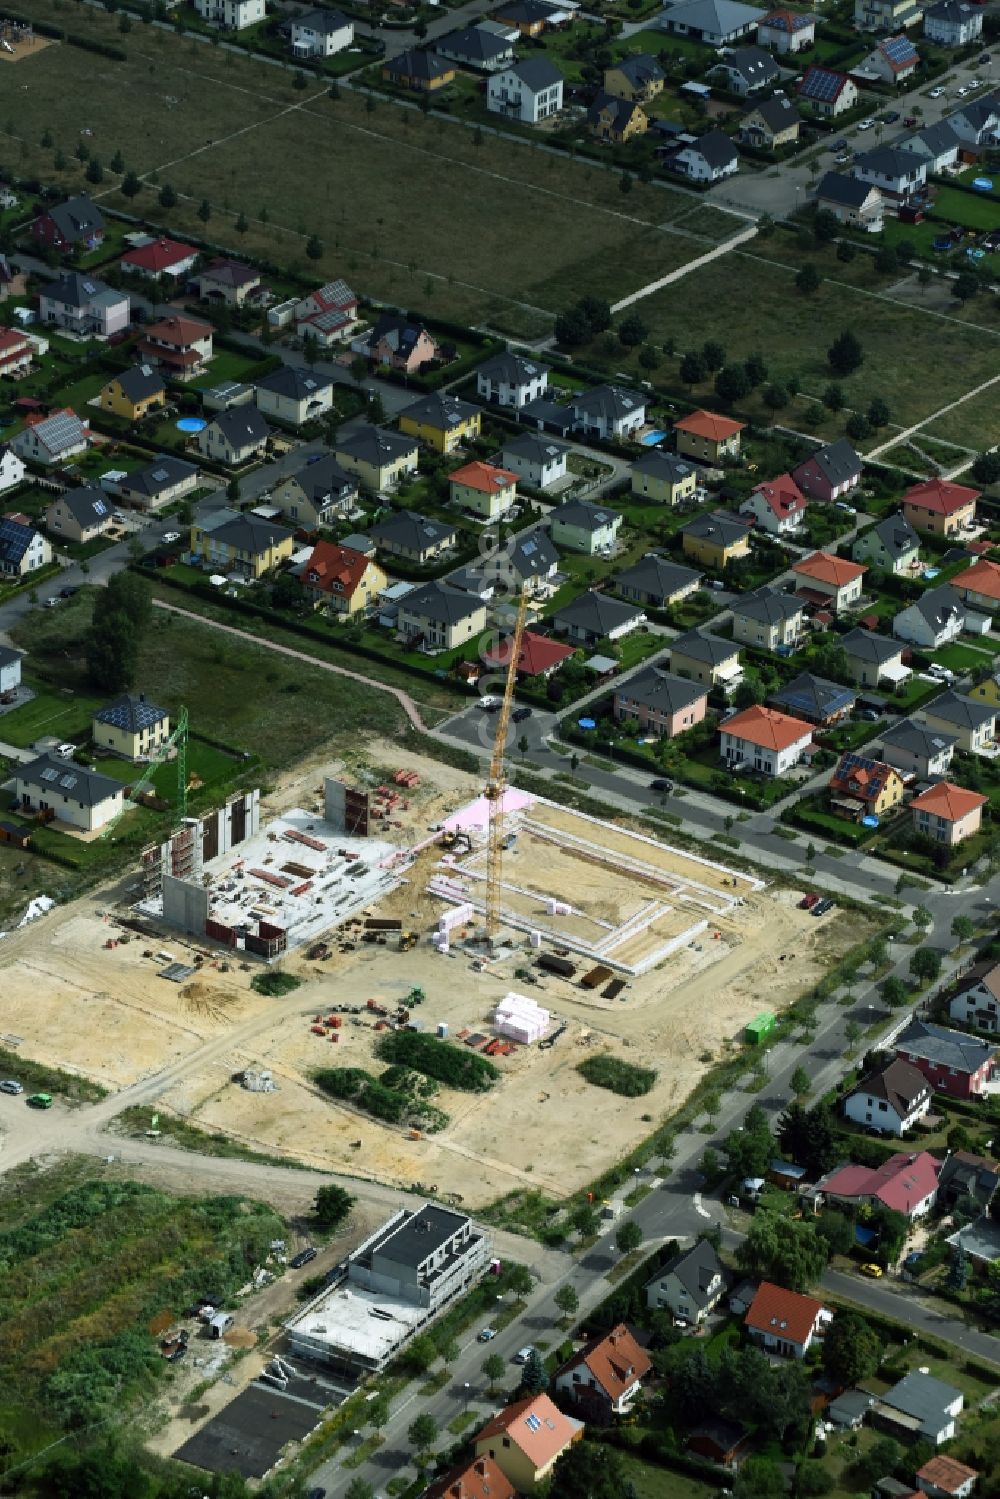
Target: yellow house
{"points": [[637, 79], [987, 692], [526, 1439], [342, 579], [133, 393], [380, 459], [441, 421], [863, 787], [716, 538], [703, 657], [616, 120], [772, 123], [420, 70], [249, 545], [940, 507], [707, 436], [130, 726], [665, 477]]}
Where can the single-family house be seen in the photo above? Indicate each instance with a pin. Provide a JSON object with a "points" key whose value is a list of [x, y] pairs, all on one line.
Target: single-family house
{"points": [[690, 1285], [342, 580], [966, 1179], [977, 122], [228, 282], [975, 1001], [483, 489], [764, 740], [12, 469], [77, 224], [531, 91], [605, 1376], [160, 260], [873, 658], [745, 70], [539, 656], [708, 158], [891, 546], [247, 544], [530, 17], [932, 620], [813, 699], [708, 658], [581, 527], [526, 562], [478, 1478], [979, 586], [947, 813], [537, 460], [986, 691], [940, 507], [181, 345], [885, 15], [413, 537], [231, 15], [317, 494], [787, 31], [898, 175], [437, 617], [16, 354], [638, 78], [420, 71], [658, 475], [329, 314], [708, 437], [951, 1061], [79, 797], [717, 23], [921, 1407], [829, 473], [946, 1478], [891, 1099], [10, 669], [768, 619], [827, 92], [917, 750], [972, 723], [320, 33], [52, 438], [784, 1322], [79, 514], [612, 118], [134, 393], [84, 306], [593, 616], [656, 582], [893, 61], [130, 726], [662, 704], [159, 483], [294, 395], [905, 1183], [937, 145], [379, 457], [23, 549], [716, 538], [441, 420], [777, 505], [510, 380], [771, 123], [608, 411], [481, 48], [951, 23], [864, 787], [526, 1439], [234, 437], [831, 581], [401, 344], [853, 203]]}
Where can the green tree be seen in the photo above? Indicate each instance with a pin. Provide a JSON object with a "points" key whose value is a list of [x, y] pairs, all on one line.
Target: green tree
{"points": [[131, 185], [894, 991], [567, 1300], [784, 1250], [852, 1032], [167, 197], [759, 1478], [808, 279], [631, 331], [858, 426], [628, 1236], [117, 163], [801, 1083], [986, 468], [833, 398], [94, 172], [775, 396], [965, 286], [331, 1207], [299, 80], [693, 369], [204, 210], [845, 354], [713, 355], [755, 369], [826, 226], [589, 1470], [242, 224], [852, 1351], [519, 1280], [420, 1353], [359, 1489], [422, 1431], [958, 1271], [846, 252], [922, 918], [878, 413], [925, 964], [625, 183], [838, 1231], [494, 1368], [887, 261], [962, 927], [233, 491], [314, 247], [749, 1149], [731, 384], [533, 1376]]}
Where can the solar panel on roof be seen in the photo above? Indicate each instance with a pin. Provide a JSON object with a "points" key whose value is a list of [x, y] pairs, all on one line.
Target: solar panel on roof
{"points": [[100, 508], [529, 547], [822, 86], [68, 781], [160, 475], [533, 1423], [899, 49], [49, 774]]}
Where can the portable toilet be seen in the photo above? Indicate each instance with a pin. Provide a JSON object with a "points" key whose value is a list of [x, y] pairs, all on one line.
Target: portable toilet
{"points": [[442, 1029], [760, 1028]]}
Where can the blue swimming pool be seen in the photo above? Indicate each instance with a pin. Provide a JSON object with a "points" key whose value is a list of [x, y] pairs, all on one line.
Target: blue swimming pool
{"points": [[191, 423], [652, 438]]}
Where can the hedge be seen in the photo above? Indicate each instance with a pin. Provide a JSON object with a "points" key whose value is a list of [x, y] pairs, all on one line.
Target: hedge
{"points": [[441, 1060]]}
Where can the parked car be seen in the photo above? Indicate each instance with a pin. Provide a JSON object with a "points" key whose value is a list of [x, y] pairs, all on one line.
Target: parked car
{"points": [[822, 907], [809, 900], [302, 1258], [873, 1271], [171, 536], [52, 602], [891, 117], [935, 93], [867, 715], [66, 751], [866, 125], [39, 1101], [840, 145], [67, 593], [10, 1086], [487, 1335], [520, 714], [523, 1354], [489, 704], [843, 157], [984, 58], [660, 784]]}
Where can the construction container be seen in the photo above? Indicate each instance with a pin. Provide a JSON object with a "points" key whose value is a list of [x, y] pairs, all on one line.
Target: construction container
{"points": [[760, 1028], [596, 977], [549, 963], [336, 1021], [442, 1029]]}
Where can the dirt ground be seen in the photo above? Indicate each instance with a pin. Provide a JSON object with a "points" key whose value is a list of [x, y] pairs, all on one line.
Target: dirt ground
{"points": [[104, 1012], [21, 48]]}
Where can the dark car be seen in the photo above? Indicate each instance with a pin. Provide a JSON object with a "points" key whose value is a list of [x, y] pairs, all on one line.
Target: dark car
{"points": [[302, 1258], [661, 785], [520, 714], [67, 593], [985, 57], [841, 145], [892, 117], [316, 1493]]}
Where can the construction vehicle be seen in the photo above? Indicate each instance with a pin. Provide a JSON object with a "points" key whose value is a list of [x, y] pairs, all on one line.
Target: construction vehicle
{"points": [[416, 996], [408, 940], [497, 784], [453, 840]]}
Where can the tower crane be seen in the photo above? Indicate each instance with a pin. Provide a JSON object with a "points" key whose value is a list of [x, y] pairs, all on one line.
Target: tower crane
{"points": [[179, 740], [497, 784]]}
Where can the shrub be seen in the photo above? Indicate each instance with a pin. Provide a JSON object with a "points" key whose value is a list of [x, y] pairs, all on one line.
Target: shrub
{"points": [[439, 1059], [274, 984], [617, 1076]]}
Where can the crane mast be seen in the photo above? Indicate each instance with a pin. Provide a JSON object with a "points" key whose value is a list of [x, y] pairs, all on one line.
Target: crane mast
{"points": [[497, 783]]}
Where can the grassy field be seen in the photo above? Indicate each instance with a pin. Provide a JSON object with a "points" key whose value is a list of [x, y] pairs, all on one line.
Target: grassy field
{"points": [[974, 423], [663, 1483], [64, 712], [962, 208]]}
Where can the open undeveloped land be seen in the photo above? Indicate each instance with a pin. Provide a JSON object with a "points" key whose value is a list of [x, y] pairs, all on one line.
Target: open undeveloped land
{"points": [[70, 999]]}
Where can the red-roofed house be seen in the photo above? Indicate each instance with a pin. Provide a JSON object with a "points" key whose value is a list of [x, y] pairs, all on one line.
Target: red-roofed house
{"points": [[786, 30], [940, 507], [484, 489], [778, 505], [833, 581], [771, 742], [979, 585], [783, 1321], [606, 1375], [478, 1479], [330, 314], [946, 1478], [708, 436], [947, 813], [904, 1183], [865, 788], [15, 353], [182, 345], [342, 578], [526, 1439], [540, 655], [160, 259]]}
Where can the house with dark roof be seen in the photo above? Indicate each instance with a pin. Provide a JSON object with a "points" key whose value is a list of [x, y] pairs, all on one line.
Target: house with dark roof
{"points": [[891, 546], [134, 393], [320, 33], [437, 617], [84, 306], [528, 562], [536, 459], [920, 1407], [968, 1180], [898, 175], [853, 203], [76, 224], [890, 1100], [850, 1410], [905, 1183], [873, 658], [246, 544], [10, 669], [342, 580], [608, 411], [690, 1285], [715, 538], [707, 658], [660, 703], [934, 618], [952, 1062], [594, 616], [413, 537], [131, 726], [530, 91], [717, 23], [827, 92], [745, 70], [915, 749], [615, 119], [814, 699], [82, 798], [52, 438], [787, 31], [79, 514], [422, 72], [294, 395], [785, 1322], [228, 282], [477, 47], [723, 1442], [771, 123], [975, 999], [604, 1377], [530, 17], [23, 549], [768, 619], [401, 344], [977, 122], [159, 483], [317, 494], [952, 23], [379, 457], [235, 437], [972, 723], [638, 78], [708, 158], [830, 473], [578, 526], [659, 475], [511, 380], [656, 582], [936, 145], [441, 420]]}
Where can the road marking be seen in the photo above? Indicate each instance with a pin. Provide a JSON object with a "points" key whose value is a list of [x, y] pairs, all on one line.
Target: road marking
{"points": [[703, 1211]]}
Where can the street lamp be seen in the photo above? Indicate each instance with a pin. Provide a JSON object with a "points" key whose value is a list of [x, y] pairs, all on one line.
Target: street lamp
{"points": [[466, 1387]]}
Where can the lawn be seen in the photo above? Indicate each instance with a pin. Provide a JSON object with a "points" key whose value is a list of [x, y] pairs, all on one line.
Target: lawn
{"points": [[971, 422], [65, 713], [227, 364], [651, 1482], [962, 208], [959, 657]]}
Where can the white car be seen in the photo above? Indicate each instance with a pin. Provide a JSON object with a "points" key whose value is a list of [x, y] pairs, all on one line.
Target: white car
{"points": [[523, 1354], [935, 93], [66, 751], [866, 125], [171, 536]]}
